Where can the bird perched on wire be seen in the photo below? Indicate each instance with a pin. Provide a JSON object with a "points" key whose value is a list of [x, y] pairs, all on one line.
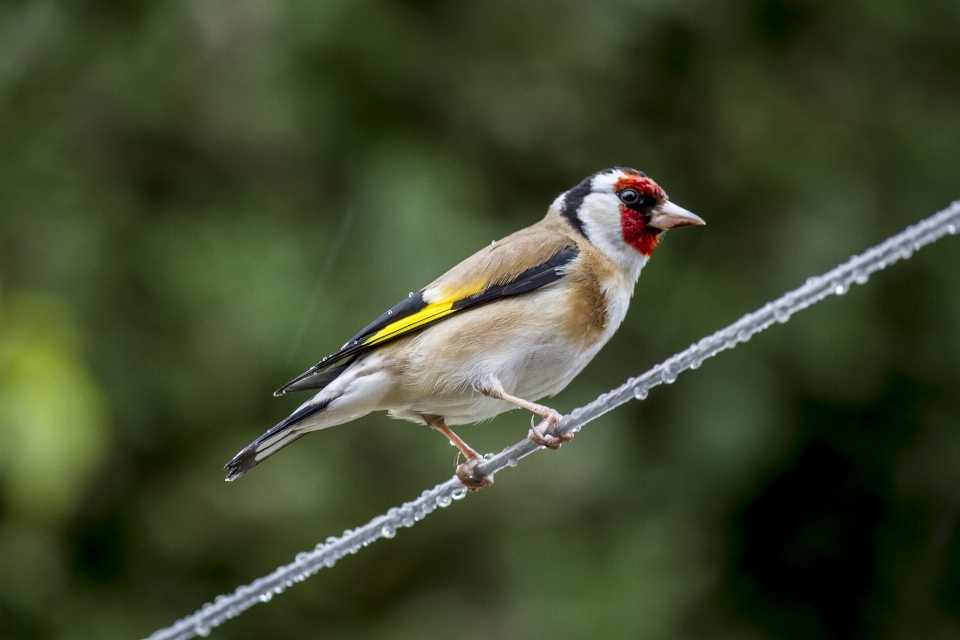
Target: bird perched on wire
{"points": [[511, 324]]}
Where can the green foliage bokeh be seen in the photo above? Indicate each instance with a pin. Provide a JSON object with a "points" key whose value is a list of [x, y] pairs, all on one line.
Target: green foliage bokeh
{"points": [[175, 175]]}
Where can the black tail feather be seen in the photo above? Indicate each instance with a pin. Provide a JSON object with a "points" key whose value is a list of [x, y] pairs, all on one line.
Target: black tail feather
{"points": [[274, 439]]}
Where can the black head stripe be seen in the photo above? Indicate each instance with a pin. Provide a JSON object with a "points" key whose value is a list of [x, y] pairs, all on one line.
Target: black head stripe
{"points": [[572, 202]]}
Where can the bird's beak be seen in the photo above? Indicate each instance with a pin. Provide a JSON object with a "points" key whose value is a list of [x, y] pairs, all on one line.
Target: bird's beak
{"points": [[669, 215]]}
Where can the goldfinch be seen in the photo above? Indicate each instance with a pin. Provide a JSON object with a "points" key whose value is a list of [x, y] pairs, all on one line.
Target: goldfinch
{"points": [[513, 323]]}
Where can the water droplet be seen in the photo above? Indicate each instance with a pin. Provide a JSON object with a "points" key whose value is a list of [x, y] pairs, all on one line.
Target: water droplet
{"points": [[952, 229], [329, 562], [320, 547], [669, 376], [390, 312], [407, 521], [512, 462], [388, 531], [906, 252], [640, 393], [429, 507], [860, 276], [458, 494], [781, 315], [443, 500], [695, 364], [302, 556], [744, 335], [279, 589], [410, 295], [202, 630], [266, 597], [731, 342], [840, 288]]}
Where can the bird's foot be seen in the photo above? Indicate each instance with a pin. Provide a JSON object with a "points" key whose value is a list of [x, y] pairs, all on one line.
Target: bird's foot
{"points": [[545, 434], [468, 475]]}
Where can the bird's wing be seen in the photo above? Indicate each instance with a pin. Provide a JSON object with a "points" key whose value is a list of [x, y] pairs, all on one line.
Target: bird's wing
{"points": [[522, 262]]}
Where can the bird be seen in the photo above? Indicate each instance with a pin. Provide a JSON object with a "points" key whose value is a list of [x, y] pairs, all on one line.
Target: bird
{"points": [[508, 326]]}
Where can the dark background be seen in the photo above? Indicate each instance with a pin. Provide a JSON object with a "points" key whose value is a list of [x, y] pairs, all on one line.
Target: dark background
{"points": [[173, 179]]}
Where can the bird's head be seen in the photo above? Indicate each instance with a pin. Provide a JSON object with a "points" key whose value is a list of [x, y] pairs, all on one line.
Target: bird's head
{"points": [[622, 211]]}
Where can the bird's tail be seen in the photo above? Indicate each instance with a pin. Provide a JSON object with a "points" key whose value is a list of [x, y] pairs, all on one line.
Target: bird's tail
{"points": [[272, 441]]}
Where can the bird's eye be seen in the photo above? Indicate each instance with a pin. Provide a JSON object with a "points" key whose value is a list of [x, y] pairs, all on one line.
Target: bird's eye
{"points": [[629, 196]]}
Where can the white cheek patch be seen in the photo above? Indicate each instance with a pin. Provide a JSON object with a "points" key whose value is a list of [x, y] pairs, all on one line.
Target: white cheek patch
{"points": [[600, 215]]}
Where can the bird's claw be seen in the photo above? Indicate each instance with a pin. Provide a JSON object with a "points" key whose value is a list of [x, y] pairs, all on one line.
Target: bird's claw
{"points": [[467, 474], [545, 434]]}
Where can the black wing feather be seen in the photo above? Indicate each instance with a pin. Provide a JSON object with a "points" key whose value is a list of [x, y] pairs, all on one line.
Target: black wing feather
{"points": [[533, 278]]}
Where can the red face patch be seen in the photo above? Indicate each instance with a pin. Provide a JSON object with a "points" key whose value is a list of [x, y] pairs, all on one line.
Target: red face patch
{"points": [[636, 232]]}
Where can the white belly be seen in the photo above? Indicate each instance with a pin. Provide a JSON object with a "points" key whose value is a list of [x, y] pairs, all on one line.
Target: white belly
{"points": [[518, 341]]}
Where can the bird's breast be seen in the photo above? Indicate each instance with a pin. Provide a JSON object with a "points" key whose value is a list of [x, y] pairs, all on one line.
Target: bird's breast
{"points": [[535, 344]]}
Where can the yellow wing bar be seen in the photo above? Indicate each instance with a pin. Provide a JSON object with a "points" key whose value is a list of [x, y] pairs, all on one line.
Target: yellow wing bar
{"points": [[425, 316]]}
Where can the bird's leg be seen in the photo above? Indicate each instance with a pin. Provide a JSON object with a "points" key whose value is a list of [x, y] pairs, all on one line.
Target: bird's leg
{"points": [[466, 472], [543, 434]]}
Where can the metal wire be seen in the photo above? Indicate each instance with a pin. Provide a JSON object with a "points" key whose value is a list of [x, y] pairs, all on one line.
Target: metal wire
{"points": [[838, 281]]}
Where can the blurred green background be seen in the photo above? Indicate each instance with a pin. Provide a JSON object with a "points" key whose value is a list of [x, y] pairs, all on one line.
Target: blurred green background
{"points": [[173, 179]]}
